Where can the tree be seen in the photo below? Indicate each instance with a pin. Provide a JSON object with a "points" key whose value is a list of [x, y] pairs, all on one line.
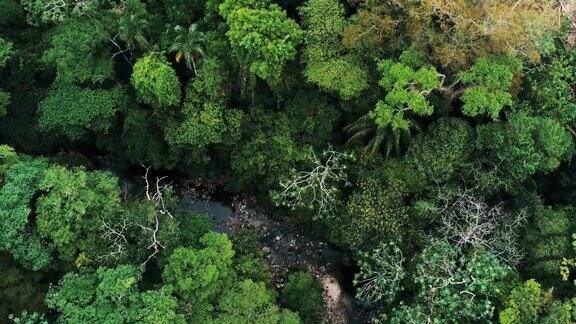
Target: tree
{"points": [[264, 39], [458, 32], [466, 220], [248, 261], [313, 118], [453, 285], [76, 112], [132, 29], [55, 11], [142, 139], [407, 83], [111, 295], [249, 302], [375, 29], [548, 241], [525, 303], [20, 290], [523, 146], [490, 82], [145, 229], [326, 64], [269, 153], [11, 12], [381, 274], [550, 81], [205, 121], [317, 189], [199, 276], [5, 53], [8, 157], [18, 235], [303, 294], [441, 151], [72, 208], [187, 45], [156, 82], [375, 212], [79, 52]]}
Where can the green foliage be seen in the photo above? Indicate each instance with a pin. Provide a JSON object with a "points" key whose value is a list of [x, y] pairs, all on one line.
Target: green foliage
{"points": [[548, 238], [454, 286], [75, 112], [143, 224], [489, 84], [441, 152], [111, 296], [79, 50], [28, 318], [4, 102], [142, 139], [313, 118], [208, 121], [406, 89], [342, 75], [193, 227], [381, 274], [524, 145], [375, 212], [270, 152], [73, 207], [264, 39], [10, 12], [327, 66], [249, 257], [133, 25], [184, 13], [156, 82], [199, 276], [5, 52], [550, 82], [187, 44], [17, 233], [248, 302], [303, 293], [8, 157], [525, 303], [459, 114], [51, 11], [20, 290]]}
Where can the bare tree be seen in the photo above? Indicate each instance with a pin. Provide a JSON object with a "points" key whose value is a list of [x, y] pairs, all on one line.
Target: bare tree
{"points": [[155, 195], [116, 232], [117, 236], [467, 220], [317, 188]]}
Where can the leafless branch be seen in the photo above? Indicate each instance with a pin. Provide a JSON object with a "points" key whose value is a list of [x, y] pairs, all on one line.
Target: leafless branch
{"points": [[467, 220], [317, 188]]}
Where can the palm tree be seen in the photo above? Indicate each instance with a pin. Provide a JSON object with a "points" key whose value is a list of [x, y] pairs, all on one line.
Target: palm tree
{"points": [[365, 132], [187, 44], [132, 30]]}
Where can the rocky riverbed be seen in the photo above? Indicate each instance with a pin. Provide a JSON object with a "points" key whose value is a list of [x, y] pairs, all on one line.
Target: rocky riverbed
{"points": [[285, 250]]}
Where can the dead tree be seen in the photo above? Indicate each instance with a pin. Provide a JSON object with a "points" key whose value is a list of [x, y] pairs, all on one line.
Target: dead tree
{"points": [[116, 232], [317, 188], [467, 220]]}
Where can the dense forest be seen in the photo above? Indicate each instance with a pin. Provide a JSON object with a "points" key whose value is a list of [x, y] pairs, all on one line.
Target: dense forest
{"points": [[379, 161]]}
